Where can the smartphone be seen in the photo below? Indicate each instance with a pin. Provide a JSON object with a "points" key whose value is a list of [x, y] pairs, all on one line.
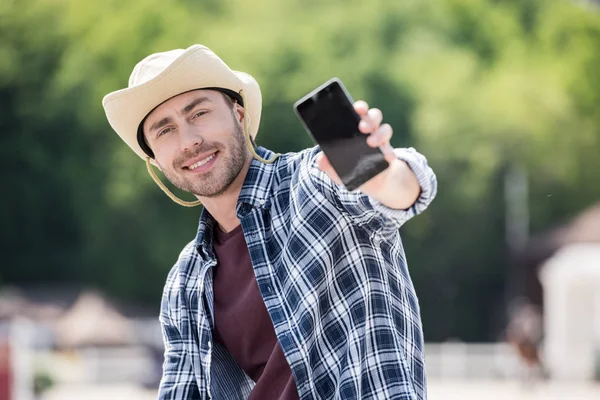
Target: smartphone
{"points": [[328, 115]]}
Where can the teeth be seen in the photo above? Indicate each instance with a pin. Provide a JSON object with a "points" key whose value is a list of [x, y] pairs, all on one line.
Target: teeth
{"points": [[201, 162]]}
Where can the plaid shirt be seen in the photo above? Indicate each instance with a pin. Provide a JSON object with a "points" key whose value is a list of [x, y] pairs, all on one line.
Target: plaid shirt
{"points": [[331, 269]]}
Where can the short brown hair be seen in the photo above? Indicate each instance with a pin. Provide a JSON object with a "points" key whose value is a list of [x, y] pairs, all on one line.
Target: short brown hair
{"points": [[230, 101]]}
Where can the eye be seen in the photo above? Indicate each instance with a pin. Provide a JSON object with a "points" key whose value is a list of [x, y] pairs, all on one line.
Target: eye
{"points": [[199, 114], [166, 130]]}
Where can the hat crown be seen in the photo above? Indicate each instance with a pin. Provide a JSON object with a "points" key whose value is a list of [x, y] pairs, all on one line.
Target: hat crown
{"points": [[151, 66]]}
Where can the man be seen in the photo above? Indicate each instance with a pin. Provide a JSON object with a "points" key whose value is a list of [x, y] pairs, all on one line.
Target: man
{"points": [[293, 287]]}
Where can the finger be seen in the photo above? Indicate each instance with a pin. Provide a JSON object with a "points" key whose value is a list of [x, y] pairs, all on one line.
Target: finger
{"points": [[388, 153], [364, 127], [324, 165], [381, 137], [375, 117], [361, 107], [370, 122]]}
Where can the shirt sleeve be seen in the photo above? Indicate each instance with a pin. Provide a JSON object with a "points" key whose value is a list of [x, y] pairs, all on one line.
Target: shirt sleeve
{"points": [[178, 380], [366, 210]]}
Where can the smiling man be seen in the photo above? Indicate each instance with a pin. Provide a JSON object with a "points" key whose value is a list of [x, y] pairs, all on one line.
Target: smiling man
{"points": [[294, 287]]}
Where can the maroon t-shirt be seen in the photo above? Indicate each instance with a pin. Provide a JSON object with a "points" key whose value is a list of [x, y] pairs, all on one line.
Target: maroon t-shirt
{"points": [[242, 322]]}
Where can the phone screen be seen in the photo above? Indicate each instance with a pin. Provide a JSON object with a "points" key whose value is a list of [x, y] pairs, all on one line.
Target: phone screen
{"points": [[329, 116]]}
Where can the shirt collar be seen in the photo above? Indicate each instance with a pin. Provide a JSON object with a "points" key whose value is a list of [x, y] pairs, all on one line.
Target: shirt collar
{"points": [[255, 193], [256, 189]]}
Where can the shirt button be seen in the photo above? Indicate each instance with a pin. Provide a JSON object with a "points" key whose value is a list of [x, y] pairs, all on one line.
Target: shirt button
{"points": [[269, 289]]}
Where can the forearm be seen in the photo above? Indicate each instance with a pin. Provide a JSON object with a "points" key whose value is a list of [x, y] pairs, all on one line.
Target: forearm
{"points": [[399, 187]]}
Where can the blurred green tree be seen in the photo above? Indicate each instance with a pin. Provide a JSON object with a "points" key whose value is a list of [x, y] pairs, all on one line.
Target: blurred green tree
{"points": [[476, 85]]}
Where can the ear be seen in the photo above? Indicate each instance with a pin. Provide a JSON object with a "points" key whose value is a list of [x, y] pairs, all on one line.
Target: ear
{"points": [[239, 113]]}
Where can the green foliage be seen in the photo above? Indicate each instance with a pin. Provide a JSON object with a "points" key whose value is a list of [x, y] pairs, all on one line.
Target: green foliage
{"points": [[42, 382], [474, 84]]}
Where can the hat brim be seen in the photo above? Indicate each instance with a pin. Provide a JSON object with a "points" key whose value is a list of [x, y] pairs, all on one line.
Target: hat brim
{"points": [[196, 68]]}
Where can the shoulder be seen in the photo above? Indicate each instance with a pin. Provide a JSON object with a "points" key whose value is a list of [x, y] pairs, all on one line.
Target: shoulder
{"points": [[295, 164], [186, 256], [305, 156]]}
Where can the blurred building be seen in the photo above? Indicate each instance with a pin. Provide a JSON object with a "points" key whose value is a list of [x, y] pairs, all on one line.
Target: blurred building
{"points": [[571, 282], [583, 229], [561, 270], [79, 336]]}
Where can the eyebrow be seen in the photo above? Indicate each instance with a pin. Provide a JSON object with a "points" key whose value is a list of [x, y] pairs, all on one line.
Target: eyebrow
{"points": [[160, 124], [193, 104], [184, 110]]}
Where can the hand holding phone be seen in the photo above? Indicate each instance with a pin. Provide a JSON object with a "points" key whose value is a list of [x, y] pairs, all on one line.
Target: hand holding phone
{"points": [[329, 116]]}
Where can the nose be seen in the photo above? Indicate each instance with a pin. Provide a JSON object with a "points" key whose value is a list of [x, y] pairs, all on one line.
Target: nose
{"points": [[189, 138]]}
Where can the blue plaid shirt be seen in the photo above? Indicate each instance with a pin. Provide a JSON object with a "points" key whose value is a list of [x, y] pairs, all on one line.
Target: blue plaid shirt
{"points": [[331, 269]]}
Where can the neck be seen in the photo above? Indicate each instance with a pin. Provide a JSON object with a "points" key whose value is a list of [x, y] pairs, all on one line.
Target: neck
{"points": [[223, 208]]}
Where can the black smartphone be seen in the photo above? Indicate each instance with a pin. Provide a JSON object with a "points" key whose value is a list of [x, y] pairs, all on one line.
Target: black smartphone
{"points": [[328, 115]]}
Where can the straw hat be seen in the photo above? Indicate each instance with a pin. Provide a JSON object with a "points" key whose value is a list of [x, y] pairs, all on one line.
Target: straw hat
{"points": [[161, 76]]}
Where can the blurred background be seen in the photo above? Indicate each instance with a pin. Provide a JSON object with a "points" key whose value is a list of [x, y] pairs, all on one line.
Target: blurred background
{"points": [[502, 96]]}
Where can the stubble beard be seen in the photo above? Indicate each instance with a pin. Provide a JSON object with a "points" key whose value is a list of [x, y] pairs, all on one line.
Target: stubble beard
{"points": [[215, 182]]}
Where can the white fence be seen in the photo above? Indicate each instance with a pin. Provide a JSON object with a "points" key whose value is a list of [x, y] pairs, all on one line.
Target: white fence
{"points": [[471, 361], [17, 335]]}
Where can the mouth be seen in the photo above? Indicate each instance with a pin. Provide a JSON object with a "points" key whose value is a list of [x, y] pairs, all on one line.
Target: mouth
{"points": [[203, 164]]}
